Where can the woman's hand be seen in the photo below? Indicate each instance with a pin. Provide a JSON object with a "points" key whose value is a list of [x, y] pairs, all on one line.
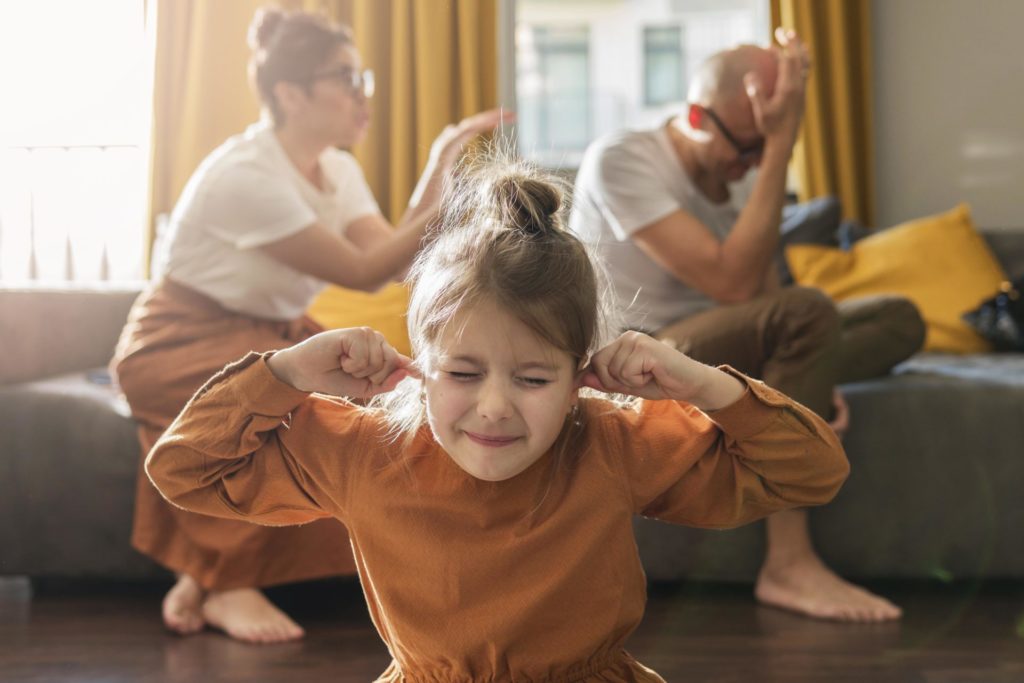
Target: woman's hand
{"points": [[642, 366], [355, 362], [779, 116], [444, 153], [453, 139]]}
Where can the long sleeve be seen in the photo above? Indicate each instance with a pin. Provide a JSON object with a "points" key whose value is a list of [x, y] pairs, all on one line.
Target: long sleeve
{"points": [[248, 446], [762, 454]]}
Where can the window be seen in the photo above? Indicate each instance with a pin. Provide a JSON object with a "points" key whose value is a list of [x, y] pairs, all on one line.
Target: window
{"points": [[553, 73], [73, 140], [578, 69], [663, 66]]}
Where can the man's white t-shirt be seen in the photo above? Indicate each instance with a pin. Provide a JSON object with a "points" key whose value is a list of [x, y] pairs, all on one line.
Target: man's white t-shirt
{"points": [[627, 181], [246, 194]]}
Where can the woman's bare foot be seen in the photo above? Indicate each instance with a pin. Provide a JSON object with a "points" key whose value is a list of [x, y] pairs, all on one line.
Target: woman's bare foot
{"points": [[182, 608], [245, 614], [810, 588]]}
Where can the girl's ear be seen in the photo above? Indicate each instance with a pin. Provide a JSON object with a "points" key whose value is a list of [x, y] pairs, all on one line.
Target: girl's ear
{"points": [[577, 382]]}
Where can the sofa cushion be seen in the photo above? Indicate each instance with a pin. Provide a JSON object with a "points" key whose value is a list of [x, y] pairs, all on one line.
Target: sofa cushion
{"points": [[812, 222], [54, 330], [936, 472], [990, 368], [67, 474], [940, 262], [384, 311]]}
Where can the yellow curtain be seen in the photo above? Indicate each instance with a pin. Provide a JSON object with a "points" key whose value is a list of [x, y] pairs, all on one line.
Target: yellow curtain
{"points": [[201, 94], [435, 62], [835, 154]]}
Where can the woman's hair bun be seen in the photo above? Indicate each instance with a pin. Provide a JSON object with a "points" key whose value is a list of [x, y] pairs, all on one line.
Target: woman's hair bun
{"points": [[264, 27], [526, 203]]}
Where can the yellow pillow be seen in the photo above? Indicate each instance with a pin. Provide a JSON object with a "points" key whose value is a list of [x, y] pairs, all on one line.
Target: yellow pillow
{"points": [[384, 311], [939, 262]]}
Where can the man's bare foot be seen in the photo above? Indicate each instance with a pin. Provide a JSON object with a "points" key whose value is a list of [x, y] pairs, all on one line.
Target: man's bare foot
{"points": [[810, 588], [245, 614], [182, 608]]}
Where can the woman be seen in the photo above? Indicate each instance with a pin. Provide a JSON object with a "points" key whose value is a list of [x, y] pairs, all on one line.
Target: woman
{"points": [[266, 221]]}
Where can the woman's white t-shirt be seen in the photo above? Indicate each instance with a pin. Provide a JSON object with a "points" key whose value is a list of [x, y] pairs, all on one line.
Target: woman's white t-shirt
{"points": [[246, 194]]}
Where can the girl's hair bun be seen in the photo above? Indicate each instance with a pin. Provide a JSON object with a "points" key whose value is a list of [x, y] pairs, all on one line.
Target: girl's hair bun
{"points": [[525, 202]]}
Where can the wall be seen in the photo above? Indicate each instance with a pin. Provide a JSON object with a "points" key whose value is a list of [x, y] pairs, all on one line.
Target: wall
{"points": [[949, 109]]}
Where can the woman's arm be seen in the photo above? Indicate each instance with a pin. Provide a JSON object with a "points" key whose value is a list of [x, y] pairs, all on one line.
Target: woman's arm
{"points": [[317, 251], [373, 252]]}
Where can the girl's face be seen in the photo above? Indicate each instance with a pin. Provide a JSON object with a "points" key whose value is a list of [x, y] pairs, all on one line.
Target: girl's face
{"points": [[497, 395]]}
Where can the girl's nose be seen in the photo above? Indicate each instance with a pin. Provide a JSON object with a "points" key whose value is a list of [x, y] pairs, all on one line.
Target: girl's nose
{"points": [[493, 402]]}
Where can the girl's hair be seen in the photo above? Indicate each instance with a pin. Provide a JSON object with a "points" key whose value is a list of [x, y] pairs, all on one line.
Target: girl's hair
{"points": [[502, 240], [290, 46]]}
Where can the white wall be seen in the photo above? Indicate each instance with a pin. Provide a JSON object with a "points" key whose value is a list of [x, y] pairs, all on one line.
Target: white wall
{"points": [[949, 109]]}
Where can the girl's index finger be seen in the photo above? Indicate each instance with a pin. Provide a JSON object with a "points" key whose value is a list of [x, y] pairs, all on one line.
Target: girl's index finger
{"points": [[409, 365]]}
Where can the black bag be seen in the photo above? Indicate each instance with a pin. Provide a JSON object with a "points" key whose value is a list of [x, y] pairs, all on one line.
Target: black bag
{"points": [[1000, 319]]}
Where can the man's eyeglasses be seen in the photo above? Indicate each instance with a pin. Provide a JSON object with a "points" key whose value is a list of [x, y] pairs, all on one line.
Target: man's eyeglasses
{"points": [[357, 82], [746, 152]]}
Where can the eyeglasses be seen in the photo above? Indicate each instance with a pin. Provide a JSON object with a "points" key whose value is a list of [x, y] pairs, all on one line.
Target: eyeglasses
{"points": [[357, 82], [746, 152]]}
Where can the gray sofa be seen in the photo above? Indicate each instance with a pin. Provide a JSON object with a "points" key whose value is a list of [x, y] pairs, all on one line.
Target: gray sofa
{"points": [[936, 489]]}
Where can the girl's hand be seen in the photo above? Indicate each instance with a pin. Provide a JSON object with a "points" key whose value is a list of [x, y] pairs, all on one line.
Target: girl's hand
{"points": [[642, 366], [355, 362]]}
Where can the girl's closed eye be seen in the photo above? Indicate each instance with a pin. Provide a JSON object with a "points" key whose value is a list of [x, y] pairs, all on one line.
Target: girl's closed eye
{"points": [[462, 376], [535, 381]]}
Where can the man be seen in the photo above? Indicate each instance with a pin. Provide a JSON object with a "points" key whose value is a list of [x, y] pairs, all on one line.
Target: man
{"points": [[695, 270]]}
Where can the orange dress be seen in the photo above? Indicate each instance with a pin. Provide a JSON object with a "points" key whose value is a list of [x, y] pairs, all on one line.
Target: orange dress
{"points": [[536, 578], [176, 339]]}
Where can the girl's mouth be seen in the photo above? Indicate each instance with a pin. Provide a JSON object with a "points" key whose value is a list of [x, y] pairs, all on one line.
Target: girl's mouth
{"points": [[491, 441]]}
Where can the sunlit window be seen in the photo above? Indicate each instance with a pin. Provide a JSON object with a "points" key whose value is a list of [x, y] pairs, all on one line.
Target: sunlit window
{"points": [[664, 76], [73, 140], [554, 96], [584, 68]]}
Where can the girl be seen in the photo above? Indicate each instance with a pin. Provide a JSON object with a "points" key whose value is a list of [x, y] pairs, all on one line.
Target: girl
{"points": [[266, 221], [488, 500]]}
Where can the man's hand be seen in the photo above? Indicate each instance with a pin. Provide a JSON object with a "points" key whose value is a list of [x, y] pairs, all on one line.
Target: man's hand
{"points": [[778, 117], [355, 362]]}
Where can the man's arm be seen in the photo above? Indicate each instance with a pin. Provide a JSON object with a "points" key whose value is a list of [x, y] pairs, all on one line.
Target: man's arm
{"points": [[740, 267], [736, 269]]}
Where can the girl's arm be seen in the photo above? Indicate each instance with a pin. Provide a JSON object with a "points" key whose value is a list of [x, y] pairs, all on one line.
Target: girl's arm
{"points": [[253, 445], [724, 450]]}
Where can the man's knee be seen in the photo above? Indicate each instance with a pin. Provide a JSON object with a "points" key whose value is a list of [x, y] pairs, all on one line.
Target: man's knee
{"points": [[807, 313], [902, 323]]}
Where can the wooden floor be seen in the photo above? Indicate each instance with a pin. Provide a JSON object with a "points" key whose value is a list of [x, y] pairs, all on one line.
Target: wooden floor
{"points": [[952, 633]]}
